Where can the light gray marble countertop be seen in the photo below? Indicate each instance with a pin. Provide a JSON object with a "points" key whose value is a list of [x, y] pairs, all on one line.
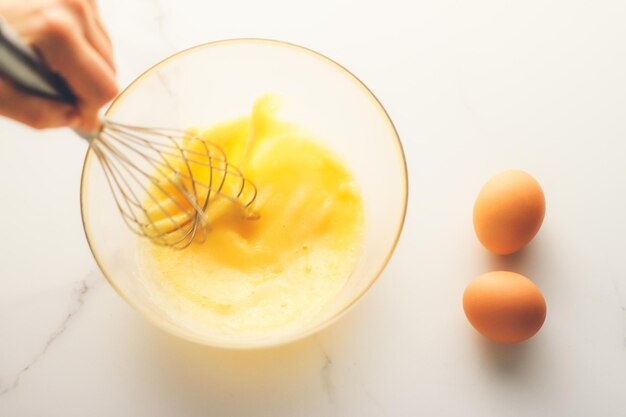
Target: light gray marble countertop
{"points": [[473, 88]]}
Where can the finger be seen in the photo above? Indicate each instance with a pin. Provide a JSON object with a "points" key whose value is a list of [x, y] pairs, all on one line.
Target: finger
{"points": [[103, 30], [94, 4], [88, 121], [68, 53], [98, 19], [87, 15], [33, 111], [99, 39]]}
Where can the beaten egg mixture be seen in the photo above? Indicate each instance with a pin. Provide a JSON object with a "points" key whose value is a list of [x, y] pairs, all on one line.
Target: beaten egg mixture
{"points": [[278, 270]]}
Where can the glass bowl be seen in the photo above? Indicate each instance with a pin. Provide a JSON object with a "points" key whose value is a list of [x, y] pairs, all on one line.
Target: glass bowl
{"points": [[219, 81]]}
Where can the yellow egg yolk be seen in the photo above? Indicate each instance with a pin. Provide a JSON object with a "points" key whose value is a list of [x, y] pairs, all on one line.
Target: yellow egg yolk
{"points": [[279, 270]]}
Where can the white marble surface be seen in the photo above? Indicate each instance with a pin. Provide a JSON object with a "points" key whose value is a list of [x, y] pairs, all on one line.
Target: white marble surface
{"points": [[473, 87]]}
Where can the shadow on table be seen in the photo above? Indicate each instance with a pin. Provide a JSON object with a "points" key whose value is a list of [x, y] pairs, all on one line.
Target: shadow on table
{"points": [[521, 359], [506, 360], [527, 261], [275, 381]]}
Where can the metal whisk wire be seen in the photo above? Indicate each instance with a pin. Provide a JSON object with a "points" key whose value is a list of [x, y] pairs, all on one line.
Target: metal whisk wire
{"points": [[151, 170]]}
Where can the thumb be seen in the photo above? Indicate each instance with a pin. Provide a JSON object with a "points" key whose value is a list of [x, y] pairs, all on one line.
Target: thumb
{"points": [[36, 112]]}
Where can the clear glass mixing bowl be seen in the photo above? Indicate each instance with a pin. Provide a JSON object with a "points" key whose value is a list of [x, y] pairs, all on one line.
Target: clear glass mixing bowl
{"points": [[218, 81]]}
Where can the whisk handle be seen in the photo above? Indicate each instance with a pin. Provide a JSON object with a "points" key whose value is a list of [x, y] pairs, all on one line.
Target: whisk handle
{"points": [[25, 68]]}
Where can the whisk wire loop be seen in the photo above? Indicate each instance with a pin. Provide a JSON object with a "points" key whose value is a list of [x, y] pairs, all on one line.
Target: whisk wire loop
{"points": [[163, 180]]}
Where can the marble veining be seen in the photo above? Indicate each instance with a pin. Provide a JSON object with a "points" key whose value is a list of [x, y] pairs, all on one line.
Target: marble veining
{"points": [[78, 297], [373, 400], [331, 391], [326, 373], [161, 26]]}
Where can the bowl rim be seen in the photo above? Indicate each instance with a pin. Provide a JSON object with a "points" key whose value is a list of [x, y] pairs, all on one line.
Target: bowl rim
{"points": [[259, 343]]}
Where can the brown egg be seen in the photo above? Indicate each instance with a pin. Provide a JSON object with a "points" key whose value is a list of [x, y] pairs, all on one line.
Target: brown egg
{"points": [[504, 306], [508, 211]]}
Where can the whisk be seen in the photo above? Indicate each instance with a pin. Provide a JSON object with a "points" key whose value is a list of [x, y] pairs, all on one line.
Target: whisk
{"points": [[162, 180]]}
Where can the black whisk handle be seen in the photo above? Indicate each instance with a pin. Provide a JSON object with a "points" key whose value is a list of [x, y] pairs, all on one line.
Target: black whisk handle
{"points": [[25, 68]]}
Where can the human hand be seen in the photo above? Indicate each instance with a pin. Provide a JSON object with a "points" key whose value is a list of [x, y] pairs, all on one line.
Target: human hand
{"points": [[70, 37]]}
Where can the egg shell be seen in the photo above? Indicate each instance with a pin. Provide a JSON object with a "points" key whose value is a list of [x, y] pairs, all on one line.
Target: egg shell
{"points": [[509, 211], [504, 306]]}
